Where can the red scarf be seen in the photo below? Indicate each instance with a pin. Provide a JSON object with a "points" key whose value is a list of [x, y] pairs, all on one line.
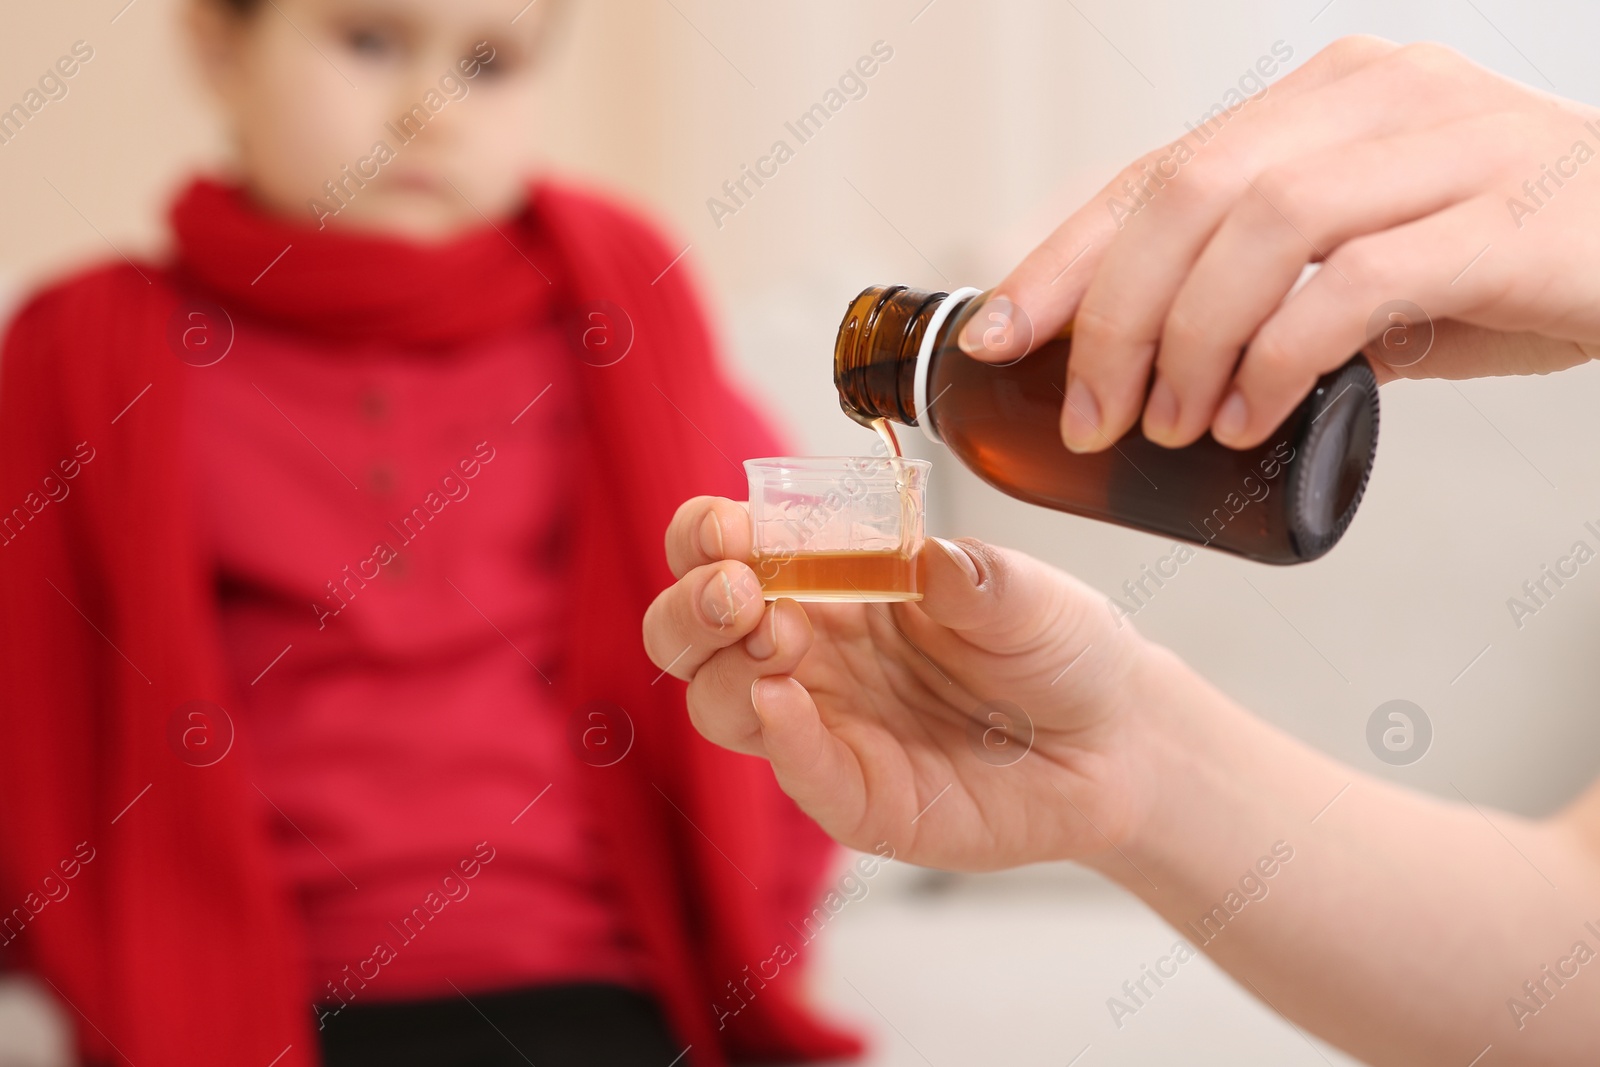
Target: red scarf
{"points": [[141, 887]]}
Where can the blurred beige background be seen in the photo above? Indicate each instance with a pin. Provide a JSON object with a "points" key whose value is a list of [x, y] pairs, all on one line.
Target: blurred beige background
{"points": [[989, 123]]}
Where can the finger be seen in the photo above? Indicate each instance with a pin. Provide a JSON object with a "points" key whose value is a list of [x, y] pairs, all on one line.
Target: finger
{"points": [[1444, 264], [817, 769], [1122, 313], [719, 695], [1295, 212], [1041, 295], [706, 529], [707, 609], [1459, 350], [1343, 57]]}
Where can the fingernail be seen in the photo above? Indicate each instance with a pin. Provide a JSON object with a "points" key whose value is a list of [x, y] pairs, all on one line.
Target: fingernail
{"points": [[962, 560], [1080, 421], [711, 536], [1230, 420], [763, 640], [975, 339], [755, 698], [717, 601], [1160, 410]]}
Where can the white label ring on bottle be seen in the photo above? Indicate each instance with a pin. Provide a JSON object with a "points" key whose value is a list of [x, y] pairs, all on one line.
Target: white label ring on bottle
{"points": [[919, 391]]}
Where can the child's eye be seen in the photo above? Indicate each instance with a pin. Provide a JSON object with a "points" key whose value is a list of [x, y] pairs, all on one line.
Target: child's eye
{"points": [[494, 60], [372, 42]]}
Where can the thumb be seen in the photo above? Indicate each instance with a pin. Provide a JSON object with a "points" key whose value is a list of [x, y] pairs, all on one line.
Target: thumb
{"points": [[1001, 600]]}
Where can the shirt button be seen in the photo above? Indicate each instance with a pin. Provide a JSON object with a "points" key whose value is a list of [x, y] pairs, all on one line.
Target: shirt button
{"points": [[374, 405], [380, 479]]}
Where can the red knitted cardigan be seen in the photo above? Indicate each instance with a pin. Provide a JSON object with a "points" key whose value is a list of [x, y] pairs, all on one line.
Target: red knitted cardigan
{"points": [[138, 885]]}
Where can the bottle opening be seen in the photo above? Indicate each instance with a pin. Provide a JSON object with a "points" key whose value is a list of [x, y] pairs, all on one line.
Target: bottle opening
{"points": [[875, 353]]}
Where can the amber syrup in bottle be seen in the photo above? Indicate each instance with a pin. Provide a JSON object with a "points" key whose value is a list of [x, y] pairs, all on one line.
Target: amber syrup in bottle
{"points": [[1287, 500]]}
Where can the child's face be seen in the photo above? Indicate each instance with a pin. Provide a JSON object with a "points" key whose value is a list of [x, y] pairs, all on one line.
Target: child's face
{"points": [[330, 90]]}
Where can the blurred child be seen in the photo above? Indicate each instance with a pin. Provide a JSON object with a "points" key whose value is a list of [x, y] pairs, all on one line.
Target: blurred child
{"points": [[324, 548]]}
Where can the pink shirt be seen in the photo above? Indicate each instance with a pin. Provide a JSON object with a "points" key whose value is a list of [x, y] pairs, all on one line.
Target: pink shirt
{"points": [[390, 534]]}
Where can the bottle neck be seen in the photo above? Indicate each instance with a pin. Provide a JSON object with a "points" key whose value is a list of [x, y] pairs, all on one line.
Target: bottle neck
{"points": [[875, 353], [885, 349]]}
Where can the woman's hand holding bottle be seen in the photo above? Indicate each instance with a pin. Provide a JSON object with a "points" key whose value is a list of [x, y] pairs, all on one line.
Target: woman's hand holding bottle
{"points": [[1412, 173]]}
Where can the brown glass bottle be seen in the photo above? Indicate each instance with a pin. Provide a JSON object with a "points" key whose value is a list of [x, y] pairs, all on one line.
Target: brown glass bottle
{"points": [[1286, 501]]}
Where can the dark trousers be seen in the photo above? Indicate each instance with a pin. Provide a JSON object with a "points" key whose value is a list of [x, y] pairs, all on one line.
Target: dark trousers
{"points": [[550, 1026]]}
